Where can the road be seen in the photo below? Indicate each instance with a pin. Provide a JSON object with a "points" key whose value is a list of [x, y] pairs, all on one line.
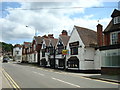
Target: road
{"points": [[35, 77]]}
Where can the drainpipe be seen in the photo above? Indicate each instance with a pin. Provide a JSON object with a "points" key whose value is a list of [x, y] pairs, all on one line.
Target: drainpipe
{"points": [[65, 62], [54, 56]]}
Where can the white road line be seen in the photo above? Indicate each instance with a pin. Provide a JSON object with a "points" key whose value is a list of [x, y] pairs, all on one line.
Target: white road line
{"points": [[66, 82], [39, 73]]}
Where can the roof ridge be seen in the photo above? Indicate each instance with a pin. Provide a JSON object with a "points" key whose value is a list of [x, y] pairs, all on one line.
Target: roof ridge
{"points": [[84, 28]]}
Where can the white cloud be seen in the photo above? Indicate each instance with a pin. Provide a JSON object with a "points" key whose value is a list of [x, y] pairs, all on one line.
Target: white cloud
{"points": [[46, 20]]}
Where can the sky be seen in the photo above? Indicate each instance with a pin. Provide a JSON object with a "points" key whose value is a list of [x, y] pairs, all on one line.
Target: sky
{"points": [[51, 18]]}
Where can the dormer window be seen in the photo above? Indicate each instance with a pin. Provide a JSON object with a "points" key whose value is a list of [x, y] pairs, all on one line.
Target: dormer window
{"points": [[117, 20]]}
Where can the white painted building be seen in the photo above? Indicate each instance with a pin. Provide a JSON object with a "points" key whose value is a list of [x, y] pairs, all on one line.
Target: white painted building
{"points": [[44, 54], [60, 46], [17, 53], [81, 46]]}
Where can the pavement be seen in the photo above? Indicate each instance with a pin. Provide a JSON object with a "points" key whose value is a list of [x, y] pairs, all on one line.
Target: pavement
{"points": [[4, 83], [109, 78]]}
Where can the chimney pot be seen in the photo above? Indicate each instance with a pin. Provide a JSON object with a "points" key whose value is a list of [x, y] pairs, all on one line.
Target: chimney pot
{"points": [[64, 32]]}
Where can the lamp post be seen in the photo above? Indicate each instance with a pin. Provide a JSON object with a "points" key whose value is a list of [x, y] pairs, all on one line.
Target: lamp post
{"points": [[34, 29]]}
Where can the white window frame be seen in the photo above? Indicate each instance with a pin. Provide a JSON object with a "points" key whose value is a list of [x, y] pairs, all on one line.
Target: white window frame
{"points": [[116, 20], [114, 38]]}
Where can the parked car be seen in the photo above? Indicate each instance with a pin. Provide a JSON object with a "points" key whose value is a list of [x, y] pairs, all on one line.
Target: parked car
{"points": [[5, 59]]}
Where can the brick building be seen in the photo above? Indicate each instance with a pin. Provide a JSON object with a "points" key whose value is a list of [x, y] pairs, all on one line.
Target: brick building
{"points": [[109, 43]]}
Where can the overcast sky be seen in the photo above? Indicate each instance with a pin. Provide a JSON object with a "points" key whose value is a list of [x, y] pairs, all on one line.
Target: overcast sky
{"points": [[51, 17]]}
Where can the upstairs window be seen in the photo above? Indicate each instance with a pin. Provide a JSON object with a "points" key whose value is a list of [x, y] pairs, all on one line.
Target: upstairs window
{"points": [[74, 51], [60, 48], [116, 20], [43, 53], [114, 38], [17, 52], [74, 47], [51, 50]]}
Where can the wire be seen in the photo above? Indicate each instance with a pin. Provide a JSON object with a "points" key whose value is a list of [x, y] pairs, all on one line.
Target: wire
{"points": [[56, 8]]}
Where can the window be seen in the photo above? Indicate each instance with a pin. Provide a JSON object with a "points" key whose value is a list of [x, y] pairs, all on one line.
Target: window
{"points": [[17, 52], [110, 58], [60, 48], [73, 63], [116, 20], [44, 46], [114, 38], [51, 50], [74, 47], [74, 51], [43, 53]]}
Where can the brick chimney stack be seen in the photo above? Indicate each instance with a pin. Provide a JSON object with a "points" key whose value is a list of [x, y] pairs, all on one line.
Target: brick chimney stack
{"points": [[99, 35], [64, 32], [45, 36]]}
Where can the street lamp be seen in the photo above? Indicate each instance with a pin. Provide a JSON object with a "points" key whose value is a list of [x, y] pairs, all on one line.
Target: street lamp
{"points": [[34, 29]]}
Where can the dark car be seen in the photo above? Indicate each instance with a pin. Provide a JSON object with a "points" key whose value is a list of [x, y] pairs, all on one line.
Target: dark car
{"points": [[5, 59]]}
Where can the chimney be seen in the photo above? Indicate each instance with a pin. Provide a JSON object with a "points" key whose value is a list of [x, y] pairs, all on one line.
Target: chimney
{"points": [[64, 32], [45, 36], [99, 35], [50, 36]]}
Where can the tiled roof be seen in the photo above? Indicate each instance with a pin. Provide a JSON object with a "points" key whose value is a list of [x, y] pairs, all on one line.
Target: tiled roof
{"points": [[65, 39], [27, 44], [89, 37], [47, 41], [17, 45], [115, 13], [112, 27], [38, 39], [54, 41]]}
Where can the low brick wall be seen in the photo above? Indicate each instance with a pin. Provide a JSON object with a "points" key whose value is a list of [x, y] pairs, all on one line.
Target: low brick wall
{"points": [[110, 70]]}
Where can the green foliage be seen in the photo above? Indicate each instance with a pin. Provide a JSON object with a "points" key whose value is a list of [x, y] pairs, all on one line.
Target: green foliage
{"points": [[6, 47]]}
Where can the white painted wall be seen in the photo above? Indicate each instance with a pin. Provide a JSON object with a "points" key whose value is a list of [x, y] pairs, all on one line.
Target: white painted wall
{"points": [[84, 53], [75, 37], [17, 56], [97, 59]]}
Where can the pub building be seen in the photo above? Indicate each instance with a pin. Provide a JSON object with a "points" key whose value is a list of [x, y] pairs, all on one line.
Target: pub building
{"points": [[83, 54], [60, 47], [47, 52], [52, 52], [44, 51]]}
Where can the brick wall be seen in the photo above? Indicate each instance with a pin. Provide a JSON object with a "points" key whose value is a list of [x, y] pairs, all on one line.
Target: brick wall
{"points": [[106, 39], [110, 70], [99, 35]]}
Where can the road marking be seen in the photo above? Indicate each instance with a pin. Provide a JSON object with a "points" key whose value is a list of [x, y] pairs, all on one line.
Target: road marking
{"points": [[66, 82], [12, 82], [39, 73]]}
